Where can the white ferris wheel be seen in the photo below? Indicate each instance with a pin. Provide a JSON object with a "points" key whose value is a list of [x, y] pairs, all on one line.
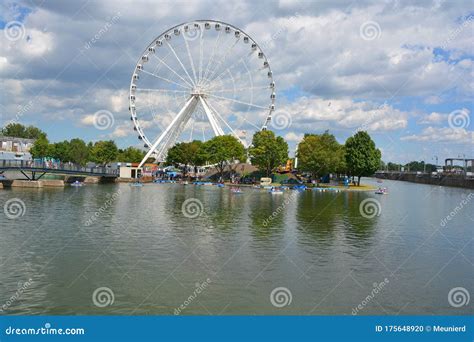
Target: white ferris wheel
{"points": [[197, 80]]}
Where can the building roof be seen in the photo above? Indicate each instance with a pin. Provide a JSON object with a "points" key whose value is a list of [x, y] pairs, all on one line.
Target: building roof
{"points": [[16, 139]]}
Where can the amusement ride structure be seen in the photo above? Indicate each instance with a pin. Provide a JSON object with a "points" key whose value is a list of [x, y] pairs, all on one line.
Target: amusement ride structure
{"points": [[197, 80]]}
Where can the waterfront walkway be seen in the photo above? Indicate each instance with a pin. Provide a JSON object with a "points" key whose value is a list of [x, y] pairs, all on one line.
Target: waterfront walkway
{"points": [[43, 168]]}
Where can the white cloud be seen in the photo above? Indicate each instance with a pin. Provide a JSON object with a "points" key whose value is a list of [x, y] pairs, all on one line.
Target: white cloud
{"points": [[291, 136], [346, 114], [433, 118], [445, 134], [88, 120]]}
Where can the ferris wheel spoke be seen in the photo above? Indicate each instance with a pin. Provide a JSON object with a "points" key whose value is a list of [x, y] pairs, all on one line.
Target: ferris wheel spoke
{"points": [[190, 59], [236, 101], [200, 57], [180, 63], [162, 90], [240, 60], [222, 60], [239, 89], [164, 79], [241, 116], [225, 122], [212, 54], [212, 88], [220, 80], [173, 71]]}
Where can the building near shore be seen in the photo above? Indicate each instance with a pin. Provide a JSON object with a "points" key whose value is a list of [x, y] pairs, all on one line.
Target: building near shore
{"points": [[13, 148]]}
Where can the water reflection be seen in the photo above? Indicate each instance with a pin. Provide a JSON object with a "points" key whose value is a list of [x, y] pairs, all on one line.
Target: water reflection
{"points": [[323, 218], [143, 247]]}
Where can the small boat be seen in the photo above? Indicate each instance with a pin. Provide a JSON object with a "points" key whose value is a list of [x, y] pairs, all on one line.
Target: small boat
{"points": [[236, 190], [379, 181], [220, 185], [77, 183], [137, 184], [276, 191], [381, 191]]}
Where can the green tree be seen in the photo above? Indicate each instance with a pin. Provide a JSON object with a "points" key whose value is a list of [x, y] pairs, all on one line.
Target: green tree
{"points": [[21, 131], [104, 152], [362, 157], [268, 151], [393, 166], [41, 148], [79, 152], [61, 151], [185, 154], [320, 154], [131, 155], [341, 165], [222, 150]]}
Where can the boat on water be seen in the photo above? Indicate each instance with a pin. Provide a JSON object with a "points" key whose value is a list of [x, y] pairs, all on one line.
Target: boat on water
{"points": [[236, 190], [381, 191], [326, 189], [379, 181], [137, 184], [161, 181], [276, 191], [77, 183]]}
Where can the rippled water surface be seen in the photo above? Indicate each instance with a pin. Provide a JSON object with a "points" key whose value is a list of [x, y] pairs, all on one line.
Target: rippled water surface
{"points": [[152, 258]]}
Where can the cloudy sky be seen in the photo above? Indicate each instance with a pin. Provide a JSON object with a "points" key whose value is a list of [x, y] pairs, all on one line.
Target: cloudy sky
{"points": [[403, 70]]}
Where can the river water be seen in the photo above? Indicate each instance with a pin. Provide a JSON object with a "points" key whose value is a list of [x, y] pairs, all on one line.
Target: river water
{"points": [[185, 249]]}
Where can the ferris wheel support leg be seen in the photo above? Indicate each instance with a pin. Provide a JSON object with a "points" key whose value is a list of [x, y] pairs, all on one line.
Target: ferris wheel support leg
{"points": [[212, 119], [191, 103], [228, 126]]}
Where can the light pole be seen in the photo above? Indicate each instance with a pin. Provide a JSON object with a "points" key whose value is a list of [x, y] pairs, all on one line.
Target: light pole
{"points": [[436, 158]]}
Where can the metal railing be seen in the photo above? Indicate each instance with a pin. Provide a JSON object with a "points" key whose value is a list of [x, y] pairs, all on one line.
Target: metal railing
{"points": [[57, 167]]}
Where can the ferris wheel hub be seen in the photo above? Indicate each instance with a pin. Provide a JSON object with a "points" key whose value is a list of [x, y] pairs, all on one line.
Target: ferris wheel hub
{"points": [[198, 91]]}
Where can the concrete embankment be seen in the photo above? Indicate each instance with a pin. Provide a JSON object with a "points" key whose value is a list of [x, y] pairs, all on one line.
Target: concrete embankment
{"points": [[88, 180], [440, 179], [52, 182], [17, 183]]}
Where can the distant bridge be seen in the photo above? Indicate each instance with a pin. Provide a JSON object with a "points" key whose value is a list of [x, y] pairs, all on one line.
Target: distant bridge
{"points": [[42, 168]]}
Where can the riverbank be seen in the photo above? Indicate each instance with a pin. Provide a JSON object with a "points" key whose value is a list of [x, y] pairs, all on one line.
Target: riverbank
{"points": [[459, 181]]}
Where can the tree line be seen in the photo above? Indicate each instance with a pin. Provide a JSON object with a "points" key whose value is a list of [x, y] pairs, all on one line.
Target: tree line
{"points": [[413, 166], [75, 150], [318, 154]]}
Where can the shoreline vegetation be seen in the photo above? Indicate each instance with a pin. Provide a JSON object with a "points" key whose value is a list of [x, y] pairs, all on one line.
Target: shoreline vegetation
{"points": [[319, 158]]}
